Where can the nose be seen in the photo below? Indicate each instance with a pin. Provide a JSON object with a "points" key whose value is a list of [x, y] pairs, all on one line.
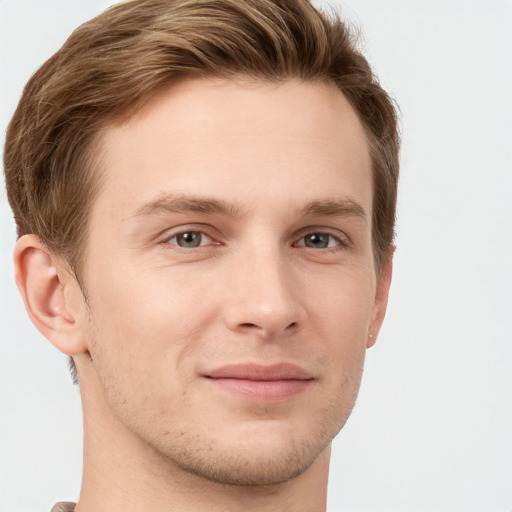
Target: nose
{"points": [[263, 298]]}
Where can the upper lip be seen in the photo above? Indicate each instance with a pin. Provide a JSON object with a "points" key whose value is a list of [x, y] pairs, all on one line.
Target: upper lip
{"points": [[251, 371]]}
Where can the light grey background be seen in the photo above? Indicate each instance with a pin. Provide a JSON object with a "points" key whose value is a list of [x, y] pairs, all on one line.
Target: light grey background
{"points": [[432, 429]]}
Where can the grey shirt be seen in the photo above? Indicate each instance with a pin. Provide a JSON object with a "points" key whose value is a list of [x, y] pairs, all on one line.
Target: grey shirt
{"points": [[63, 506]]}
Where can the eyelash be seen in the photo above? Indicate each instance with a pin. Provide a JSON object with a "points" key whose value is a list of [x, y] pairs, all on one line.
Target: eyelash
{"points": [[340, 241], [187, 232]]}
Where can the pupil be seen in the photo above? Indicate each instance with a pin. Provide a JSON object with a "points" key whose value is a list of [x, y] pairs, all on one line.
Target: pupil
{"points": [[317, 240], [189, 239]]}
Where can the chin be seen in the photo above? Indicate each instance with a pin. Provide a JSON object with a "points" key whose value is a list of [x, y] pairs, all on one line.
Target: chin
{"points": [[266, 467], [254, 456]]}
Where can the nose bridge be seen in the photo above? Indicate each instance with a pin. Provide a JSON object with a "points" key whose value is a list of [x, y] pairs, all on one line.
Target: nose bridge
{"points": [[264, 297]]}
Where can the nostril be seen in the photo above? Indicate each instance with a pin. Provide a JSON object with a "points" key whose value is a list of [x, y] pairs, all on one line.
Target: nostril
{"points": [[248, 325], [268, 329]]}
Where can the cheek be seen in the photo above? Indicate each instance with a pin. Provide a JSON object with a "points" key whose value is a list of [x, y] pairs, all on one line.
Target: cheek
{"points": [[343, 304], [145, 325], [149, 307], [341, 318], [121, 335]]}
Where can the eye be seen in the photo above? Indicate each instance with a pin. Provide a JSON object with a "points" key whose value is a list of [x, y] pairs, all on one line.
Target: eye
{"points": [[319, 241], [190, 239]]}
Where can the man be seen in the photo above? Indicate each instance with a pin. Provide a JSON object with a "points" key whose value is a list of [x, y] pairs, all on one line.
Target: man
{"points": [[205, 196]]}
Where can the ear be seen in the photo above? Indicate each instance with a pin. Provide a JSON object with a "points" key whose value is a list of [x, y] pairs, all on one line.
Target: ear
{"points": [[51, 295], [381, 299]]}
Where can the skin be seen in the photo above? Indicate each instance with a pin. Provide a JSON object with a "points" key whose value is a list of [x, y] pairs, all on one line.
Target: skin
{"points": [[272, 183]]}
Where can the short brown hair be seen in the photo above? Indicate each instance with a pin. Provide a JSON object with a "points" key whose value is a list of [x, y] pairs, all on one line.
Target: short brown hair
{"points": [[113, 64]]}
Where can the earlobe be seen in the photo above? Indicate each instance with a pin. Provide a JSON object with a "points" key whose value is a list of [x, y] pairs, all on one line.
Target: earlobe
{"points": [[381, 300], [42, 283]]}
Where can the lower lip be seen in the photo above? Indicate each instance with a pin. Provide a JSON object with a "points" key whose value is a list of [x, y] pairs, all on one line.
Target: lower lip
{"points": [[263, 390]]}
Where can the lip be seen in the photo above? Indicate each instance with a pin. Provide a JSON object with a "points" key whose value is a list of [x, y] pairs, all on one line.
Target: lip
{"points": [[265, 383]]}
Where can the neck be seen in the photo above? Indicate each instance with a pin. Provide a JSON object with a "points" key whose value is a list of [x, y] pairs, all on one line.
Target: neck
{"points": [[122, 472]]}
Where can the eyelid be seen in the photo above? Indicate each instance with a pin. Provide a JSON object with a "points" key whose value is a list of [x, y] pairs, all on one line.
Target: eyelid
{"points": [[342, 238], [203, 235], [204, 230]]}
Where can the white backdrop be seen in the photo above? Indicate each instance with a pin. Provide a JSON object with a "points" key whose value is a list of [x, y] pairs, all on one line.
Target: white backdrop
{"points": [[432, 429]]}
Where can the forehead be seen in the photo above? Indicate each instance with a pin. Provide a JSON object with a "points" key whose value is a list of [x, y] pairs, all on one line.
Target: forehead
{"points": [[245, 141]]}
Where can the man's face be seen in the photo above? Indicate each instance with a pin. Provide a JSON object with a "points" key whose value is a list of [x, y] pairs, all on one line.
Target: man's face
{"points": [[230, 276]]}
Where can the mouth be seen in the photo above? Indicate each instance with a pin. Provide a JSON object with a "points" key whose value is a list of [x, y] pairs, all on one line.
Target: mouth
{"points": [[274, 383]]}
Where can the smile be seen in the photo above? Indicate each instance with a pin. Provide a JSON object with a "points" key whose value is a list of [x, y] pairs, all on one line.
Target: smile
{"points": [[273, 383]]}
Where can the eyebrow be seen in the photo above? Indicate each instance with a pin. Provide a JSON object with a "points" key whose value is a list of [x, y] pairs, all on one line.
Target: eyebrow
{"points": [[334, 208], [344, 207], [183, 204]]}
